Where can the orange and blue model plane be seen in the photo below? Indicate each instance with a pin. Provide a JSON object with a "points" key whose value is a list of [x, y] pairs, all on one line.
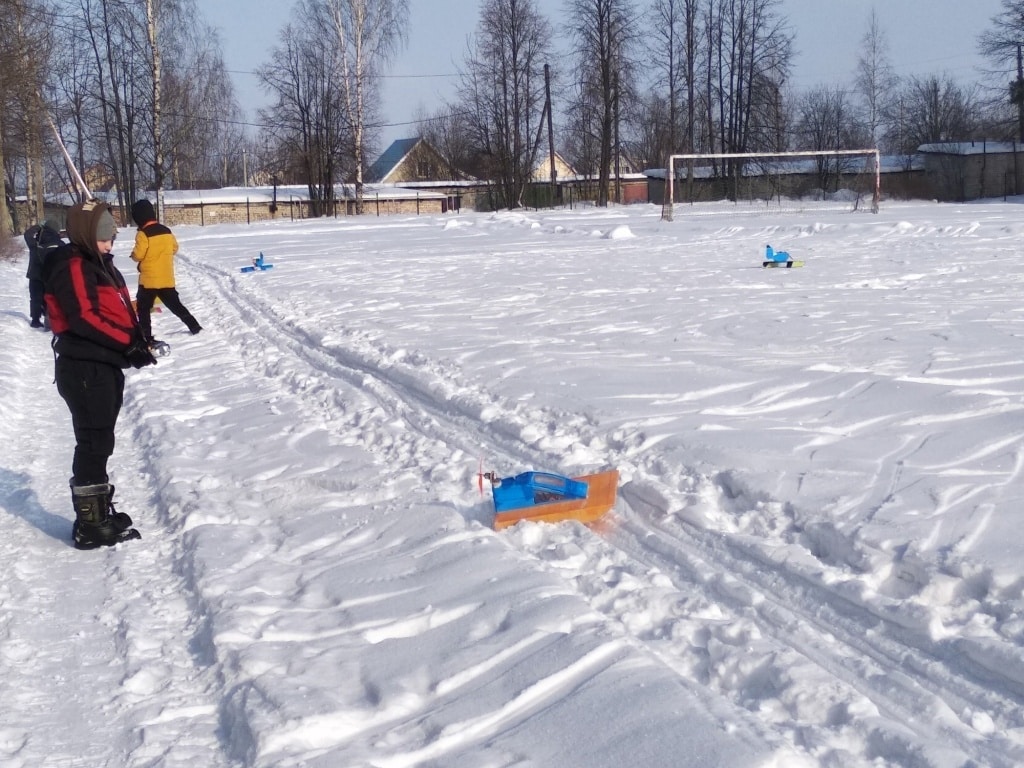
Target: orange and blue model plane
{"points": [[551, 498]]}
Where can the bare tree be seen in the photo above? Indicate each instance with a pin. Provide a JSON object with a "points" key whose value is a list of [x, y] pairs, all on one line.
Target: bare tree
{"points": [[156, 74], [582, 128], [603, 34], [323, 78], [201, 130], [673, 30], [826, 120], [307, 117], [70, 97], [648, 136], [367, 33], [503, 90], [117, 32], [25, 42], [936, 109], [6, 225], [131, 116], [1003, 45], [450, 134], [875, 79], [749, 55], [666, 31]]}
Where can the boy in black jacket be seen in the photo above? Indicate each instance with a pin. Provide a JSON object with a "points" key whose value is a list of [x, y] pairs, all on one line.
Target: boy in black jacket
{"points": [[96, 336], [41, 241]]}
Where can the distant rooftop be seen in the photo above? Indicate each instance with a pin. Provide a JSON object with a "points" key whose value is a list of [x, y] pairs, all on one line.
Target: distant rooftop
{"points": [[255, 195], [979, 147], [390, 159]]}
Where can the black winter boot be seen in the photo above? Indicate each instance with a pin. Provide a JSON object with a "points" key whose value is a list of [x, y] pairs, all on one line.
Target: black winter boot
{"points": [[97, 523], [121, 519]]}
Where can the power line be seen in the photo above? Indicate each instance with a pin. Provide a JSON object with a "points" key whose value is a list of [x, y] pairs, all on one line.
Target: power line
{"points": [[250, 124], [378, 76]]}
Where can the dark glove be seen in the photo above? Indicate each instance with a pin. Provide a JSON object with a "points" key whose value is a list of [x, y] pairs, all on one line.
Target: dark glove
{"points": [[139, 356]]}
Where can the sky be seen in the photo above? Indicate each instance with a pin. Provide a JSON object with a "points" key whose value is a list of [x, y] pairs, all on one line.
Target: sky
{"points": [[813, 560], [924, 37]]}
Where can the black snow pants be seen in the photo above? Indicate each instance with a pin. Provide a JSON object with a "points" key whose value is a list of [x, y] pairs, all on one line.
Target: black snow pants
{"points": [[169, 296], [36, 306], [94, 393]]}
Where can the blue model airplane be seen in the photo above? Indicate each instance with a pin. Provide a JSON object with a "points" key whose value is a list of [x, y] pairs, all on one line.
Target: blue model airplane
{"points": [[258, 264]]}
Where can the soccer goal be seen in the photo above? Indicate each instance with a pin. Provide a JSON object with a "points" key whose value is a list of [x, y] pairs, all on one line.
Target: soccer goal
{"points": [[840, 179]]}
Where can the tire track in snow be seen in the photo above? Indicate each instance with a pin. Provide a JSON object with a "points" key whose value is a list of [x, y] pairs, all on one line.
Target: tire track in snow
{"points": [[876, 674]]}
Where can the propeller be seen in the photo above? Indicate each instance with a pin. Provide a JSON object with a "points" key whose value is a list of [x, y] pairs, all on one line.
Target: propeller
{"points": [[481, 476]]}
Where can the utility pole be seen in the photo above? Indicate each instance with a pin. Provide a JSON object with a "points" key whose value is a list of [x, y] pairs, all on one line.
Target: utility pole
{"points": [[551, 131], [618, 153], [1018, 92]]}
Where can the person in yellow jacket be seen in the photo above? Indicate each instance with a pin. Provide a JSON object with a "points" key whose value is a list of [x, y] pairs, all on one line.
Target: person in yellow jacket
{"points": [[155, 246]]}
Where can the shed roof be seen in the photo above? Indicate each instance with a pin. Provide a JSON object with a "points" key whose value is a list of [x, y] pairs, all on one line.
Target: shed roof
{"points": [[253, 195], [979, 147], [852, 164]]}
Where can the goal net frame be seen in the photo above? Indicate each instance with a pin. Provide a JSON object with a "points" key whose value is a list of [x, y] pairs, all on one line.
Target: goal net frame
{"points": [[670, 179]]}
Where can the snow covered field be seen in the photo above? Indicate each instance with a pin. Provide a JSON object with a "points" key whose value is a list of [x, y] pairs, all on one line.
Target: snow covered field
{"points": [[814, 560]]}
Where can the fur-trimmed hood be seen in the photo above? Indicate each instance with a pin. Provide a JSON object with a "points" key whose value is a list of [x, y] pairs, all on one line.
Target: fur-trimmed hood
{"points": [[83, 220]]}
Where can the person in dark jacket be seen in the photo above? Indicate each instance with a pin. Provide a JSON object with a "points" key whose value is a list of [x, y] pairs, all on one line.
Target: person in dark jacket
{"points": [[96, 336], [155, 247], [41, 239]]}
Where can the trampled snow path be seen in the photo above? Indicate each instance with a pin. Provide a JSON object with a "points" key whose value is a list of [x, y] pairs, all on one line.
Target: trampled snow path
{"points": [[96, 648], [313, 588]]}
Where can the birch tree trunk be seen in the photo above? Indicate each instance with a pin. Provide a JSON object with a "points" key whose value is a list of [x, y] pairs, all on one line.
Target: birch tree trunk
{"points": [[367, 33], [158, 153], [5, 214]]}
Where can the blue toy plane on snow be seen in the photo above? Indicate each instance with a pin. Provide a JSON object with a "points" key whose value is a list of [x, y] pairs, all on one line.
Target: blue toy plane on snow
{"points": [[258, 264], [550, 498], [773, 258]]}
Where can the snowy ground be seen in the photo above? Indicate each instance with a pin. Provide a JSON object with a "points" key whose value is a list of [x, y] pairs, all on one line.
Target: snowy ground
{"points": [[814, 559]]}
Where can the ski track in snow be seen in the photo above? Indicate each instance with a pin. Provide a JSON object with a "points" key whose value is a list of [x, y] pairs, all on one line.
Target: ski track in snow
{"points": [[855, 649], [728, 592]]}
